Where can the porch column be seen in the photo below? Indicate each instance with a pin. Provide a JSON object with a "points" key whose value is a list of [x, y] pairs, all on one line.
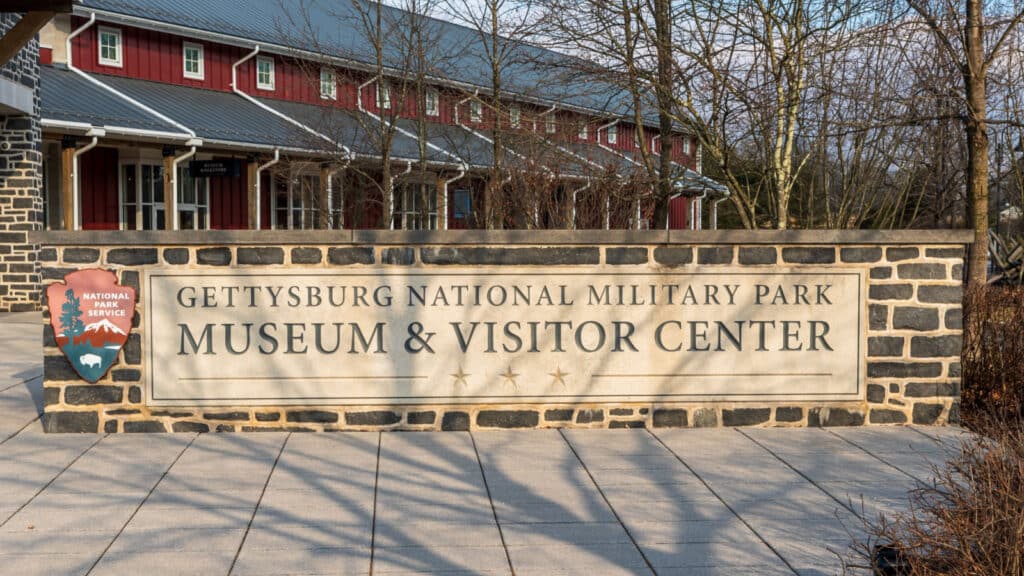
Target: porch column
{"points": [[170, 195], [67, 181], [251, 176], [323, 221]]}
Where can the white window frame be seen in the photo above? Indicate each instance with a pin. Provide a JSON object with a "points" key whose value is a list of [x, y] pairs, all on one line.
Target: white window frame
{"points": [[549, 124], [201, 74], [329, 80], [686, 145], [273, 73], [116, 33], [613, 134], [476, 111], [432, 102], [383, 96], [514, 116], [584, 132]]}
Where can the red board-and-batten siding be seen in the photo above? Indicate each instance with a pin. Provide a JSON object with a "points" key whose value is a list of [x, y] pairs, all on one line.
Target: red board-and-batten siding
{"points": [[157, 56]]}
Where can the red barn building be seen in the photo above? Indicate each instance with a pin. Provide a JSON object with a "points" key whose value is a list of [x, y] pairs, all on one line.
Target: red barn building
{"points": [[210, 115]]}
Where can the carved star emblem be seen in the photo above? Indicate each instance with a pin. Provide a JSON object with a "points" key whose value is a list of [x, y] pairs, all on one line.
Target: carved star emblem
{"points": [[460, 377], [510, 377], [558, 377]]}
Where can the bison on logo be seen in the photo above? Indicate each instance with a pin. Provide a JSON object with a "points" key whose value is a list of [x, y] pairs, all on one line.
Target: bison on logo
{"points": [[91, 315]]}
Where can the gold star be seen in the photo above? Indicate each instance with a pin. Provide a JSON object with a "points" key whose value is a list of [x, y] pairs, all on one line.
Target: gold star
{"points": [[460, 376], [510, 377], [558, 376]]}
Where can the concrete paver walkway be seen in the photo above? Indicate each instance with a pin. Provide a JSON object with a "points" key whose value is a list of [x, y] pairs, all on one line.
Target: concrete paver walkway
{"points": [[723, 501]]}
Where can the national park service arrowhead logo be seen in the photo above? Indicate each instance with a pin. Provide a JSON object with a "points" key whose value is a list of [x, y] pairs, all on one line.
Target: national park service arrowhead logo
{"points": [[91, 315]]}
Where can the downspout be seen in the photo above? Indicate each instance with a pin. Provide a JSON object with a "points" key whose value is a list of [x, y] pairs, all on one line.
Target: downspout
{"points": [[76, 202], [330, 194], [391, 193], [714, 209], [285, 117], [259, 171], [71, 66], [460, 175], [605, 127], [574, 195], [172, 203]]}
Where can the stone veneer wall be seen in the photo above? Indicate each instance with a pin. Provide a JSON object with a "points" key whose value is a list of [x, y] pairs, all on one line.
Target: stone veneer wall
{"points": [[21, 200], [913, 326]]}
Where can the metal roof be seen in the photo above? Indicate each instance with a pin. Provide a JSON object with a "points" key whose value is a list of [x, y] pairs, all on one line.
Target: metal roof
{"points": [[454, 52], [67, 97]]}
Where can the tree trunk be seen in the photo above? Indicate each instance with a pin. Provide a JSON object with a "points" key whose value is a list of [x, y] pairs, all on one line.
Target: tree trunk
{"points": [[977, 145]]}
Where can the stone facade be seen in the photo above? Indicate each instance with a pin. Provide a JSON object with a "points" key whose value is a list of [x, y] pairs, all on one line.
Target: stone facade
{"points": [[912, 354], [21, 201]]}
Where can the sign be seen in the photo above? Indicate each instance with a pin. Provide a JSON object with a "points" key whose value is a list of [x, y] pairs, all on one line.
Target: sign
{"points": [[209, 168], [91, 315], [472, 335]]}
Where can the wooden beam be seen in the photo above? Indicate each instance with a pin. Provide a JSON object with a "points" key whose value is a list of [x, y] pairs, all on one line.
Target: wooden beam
{"points": [[250, 172], [22, 33], [36, 5], [67, 184]]}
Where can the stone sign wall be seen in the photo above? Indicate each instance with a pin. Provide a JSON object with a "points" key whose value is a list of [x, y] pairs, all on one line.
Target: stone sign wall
{"points": [[238, 331]]}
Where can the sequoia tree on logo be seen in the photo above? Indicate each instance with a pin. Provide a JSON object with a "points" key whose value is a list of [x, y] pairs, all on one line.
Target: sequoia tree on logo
{"points": [[91, 315]]}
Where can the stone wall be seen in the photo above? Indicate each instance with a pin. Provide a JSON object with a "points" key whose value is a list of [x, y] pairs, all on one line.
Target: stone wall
{"points": [[21, 201], [913, 336]]}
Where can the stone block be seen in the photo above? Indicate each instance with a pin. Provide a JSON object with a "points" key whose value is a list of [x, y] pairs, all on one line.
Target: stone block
{"points": [[926, 413], [455, 421], [307, 255], [885, 346], [789, 414], [110, 426], [627, 424], [897, 254], [673, 255], [890, 291], [51, 396], [560, 415], [808, 255], [135, 394], [81, 255], [268, 416], [213, 256], [911, 318], [705, 418], [625, 256], [421, 418], [904, 369], [881, 273], [619, 412], [261, 256], [176, 256], [132, 256], [940, 294], [47, 255], [133, 349], [878, 316], [398, 256], [935, 346], [549, 256], [144, 426], [860, 255], [746, 416], [674, 418], [320, 416], [926, 271], [507, 418], [755, 255], [236, 415], [714, 255], [57, 368], [80, 422], [372, 418], [587, 416], [944, 252], [126, 375], [839, 417], [886, 416], [349, 256], [954, 319], [876, 394], [932, 390]]}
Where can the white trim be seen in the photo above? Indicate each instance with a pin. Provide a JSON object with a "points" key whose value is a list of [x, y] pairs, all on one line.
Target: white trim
{"points": [[273, 74], [383, 95], [584, 132], [200, 49], [332, 94], [476, 111], [515, 116], [613, 134], [116, 32], [435, 110]]}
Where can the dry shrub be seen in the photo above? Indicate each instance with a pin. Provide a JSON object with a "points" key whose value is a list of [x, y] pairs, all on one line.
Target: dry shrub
{"points": [[993, 356], [969, 521]]}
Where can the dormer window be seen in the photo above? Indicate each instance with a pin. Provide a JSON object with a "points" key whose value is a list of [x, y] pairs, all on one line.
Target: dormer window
{"points": [[613, 134], [264, 73], [328, 85], [476, 111], [583, 133], [432, 103], [383, 96], [110, 46], [514, 116], [192, 55], [549, 124]]}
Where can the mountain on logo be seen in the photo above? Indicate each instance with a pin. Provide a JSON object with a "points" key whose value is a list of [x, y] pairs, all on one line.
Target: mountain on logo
{"points": [[101, 333]]}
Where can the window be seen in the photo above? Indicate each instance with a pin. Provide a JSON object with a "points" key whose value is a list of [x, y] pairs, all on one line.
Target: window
{"points": [[416, 207], [583, 135], [142, 198], [462, 204], [514, 116], [476, 111], [433, 103], [613, 134], [193, 201], [686, 146], [328, 85], [549, 124], [110, 47], [264, 73], [193, 56], [296, 202], [383, 96]]}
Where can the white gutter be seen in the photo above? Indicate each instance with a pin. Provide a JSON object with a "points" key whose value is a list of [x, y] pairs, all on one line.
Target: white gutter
{"points": [[171, 204], [608, 213], [285, 117], [76, 192], [459, 176], [259, 170], [188, 134], [119, 130], [574, 195]]}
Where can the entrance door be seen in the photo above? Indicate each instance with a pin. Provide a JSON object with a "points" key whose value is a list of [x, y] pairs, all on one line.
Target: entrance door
{"points": [[142, 196]]}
